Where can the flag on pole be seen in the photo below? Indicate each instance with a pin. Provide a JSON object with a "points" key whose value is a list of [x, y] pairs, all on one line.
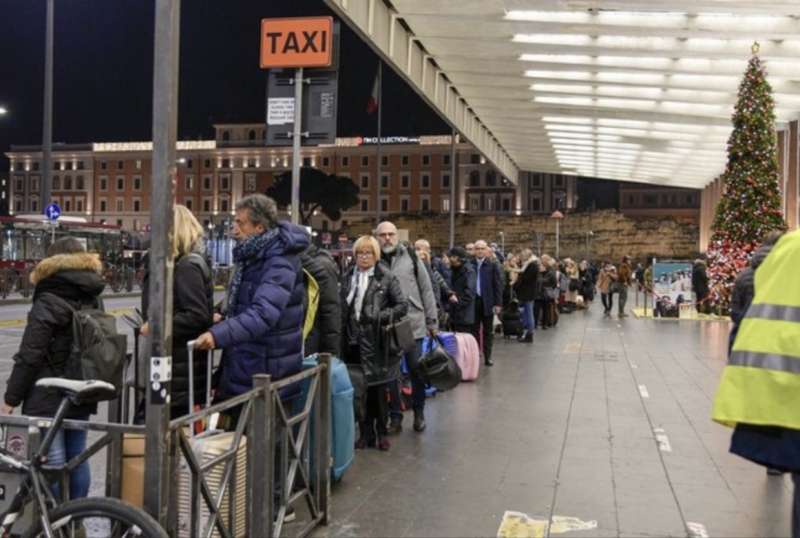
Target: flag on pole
{"points": [[372, 104]]}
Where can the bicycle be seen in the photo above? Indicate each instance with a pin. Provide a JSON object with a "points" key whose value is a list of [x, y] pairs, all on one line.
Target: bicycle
{"points": [[92, 516]]}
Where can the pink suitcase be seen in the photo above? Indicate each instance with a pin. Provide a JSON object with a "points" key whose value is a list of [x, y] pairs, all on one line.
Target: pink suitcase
{"points": [[468, 356]]}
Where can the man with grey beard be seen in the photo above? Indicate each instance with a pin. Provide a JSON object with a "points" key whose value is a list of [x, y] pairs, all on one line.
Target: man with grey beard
{"points": [[416, 286]]}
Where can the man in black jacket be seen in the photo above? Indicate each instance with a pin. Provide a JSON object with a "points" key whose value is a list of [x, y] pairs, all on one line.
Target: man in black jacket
{"points": [[462, 305], [325, 337]]}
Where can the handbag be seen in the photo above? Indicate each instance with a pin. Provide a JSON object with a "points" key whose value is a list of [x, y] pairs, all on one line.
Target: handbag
{"points": [[398, 336], [438, 367]]}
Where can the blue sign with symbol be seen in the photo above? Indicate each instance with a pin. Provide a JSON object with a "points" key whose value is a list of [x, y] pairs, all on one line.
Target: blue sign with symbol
{"points": [[53, 212]]}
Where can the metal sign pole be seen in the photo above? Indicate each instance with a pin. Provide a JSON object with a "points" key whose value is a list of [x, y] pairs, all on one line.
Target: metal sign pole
{"points": [[453, 184], [296, 142], [165, 124], [47, 127]]}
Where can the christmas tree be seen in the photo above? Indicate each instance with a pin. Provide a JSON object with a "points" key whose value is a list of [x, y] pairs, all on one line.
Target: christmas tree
{"points": [[750, 207]]}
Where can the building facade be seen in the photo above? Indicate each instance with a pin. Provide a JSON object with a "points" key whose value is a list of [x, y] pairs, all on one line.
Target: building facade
{"points": [[110, 182]]}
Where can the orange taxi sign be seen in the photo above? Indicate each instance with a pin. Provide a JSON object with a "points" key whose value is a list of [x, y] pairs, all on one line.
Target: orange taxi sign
{"points": [[297, 42]]}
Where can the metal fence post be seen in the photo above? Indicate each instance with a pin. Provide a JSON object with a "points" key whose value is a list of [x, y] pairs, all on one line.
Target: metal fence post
{"points": [[114, 451], [165, 124], [324, 436], [259, 475]]}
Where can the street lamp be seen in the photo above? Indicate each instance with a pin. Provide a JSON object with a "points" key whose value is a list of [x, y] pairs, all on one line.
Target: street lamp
{"points": [[3, 111], [589, 234], [557, 216]]}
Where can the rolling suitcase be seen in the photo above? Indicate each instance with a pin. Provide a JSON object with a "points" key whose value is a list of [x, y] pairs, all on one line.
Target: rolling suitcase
{"points": [[343, 427], [511, 319], [468, 356]]}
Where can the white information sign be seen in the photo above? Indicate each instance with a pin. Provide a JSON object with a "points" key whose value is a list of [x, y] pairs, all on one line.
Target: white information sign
{"points": [[280, 110]]}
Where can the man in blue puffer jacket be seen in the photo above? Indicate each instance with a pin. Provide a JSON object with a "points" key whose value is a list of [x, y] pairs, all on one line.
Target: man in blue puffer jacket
{"points": [[262, 332]]}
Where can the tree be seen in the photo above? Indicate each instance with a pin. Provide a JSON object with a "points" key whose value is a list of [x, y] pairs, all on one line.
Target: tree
{"points": [[750, 207], [330, 194]]}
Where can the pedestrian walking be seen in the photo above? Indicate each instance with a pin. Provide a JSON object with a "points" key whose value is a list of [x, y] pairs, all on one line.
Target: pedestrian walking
{"points": [[605, 282], [623, 282]]}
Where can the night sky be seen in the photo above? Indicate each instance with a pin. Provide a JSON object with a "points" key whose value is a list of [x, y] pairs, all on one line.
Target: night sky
{"points": [[104, 68]]}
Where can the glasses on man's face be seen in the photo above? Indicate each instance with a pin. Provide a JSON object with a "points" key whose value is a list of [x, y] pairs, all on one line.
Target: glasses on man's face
{"points": [[364, 254], [387, 234]]}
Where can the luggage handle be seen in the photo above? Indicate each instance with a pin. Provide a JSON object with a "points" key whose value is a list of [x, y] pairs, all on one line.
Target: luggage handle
{"points": [[209, 370]]}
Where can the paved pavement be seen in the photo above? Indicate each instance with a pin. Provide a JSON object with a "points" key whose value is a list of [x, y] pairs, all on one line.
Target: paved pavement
{"points": [[602, 420]]}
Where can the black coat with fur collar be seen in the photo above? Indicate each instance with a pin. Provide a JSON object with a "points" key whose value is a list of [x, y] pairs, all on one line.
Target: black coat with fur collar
{"points": [[47, 339]]}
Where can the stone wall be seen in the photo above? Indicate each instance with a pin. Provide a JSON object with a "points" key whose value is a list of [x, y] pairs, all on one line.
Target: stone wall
{"points": [[613, 234]]}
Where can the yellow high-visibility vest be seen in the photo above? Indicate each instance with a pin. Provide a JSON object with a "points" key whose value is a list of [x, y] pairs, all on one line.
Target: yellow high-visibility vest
{"points": [[761, 382]]}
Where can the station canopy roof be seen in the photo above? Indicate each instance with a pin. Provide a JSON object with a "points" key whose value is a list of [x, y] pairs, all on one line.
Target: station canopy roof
{"points": [[639, 90]]}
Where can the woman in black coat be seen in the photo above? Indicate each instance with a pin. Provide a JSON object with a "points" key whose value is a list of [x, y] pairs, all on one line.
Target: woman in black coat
{"points": [[371, 299], [68, 279], [464, 280], [525, 290], [192, 310]]}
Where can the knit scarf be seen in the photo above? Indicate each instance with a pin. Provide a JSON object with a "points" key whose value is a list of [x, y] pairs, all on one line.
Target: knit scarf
{"points": [[244, 255]]}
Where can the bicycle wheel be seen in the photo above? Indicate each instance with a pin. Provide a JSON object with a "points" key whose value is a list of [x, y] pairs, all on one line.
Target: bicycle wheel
{"points": [[100, 517]]}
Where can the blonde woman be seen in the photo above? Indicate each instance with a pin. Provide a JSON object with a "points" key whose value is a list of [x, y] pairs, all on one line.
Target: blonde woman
{"points": [[192, 308], [371, 298]]}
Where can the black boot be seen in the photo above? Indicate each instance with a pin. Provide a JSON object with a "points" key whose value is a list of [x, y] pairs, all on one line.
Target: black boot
{"points": [[419, 421]]}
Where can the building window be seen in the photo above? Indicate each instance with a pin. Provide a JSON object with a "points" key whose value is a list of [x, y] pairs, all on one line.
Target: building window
{"points": [[404, 205], [558, 182], [137, 183], [425, 204], [120, 183], [103, 183], [474, 202], [506, 207], [189, 183], [446, 159], [138, 165], [189, 163], [35, 184], [250, 182], [36, 166], [103, 165], [306, 161], [364, 204], [206, 205], [137, 205], [404, 160], [120, 165], [536, 202], [225, 183], [425, 180], [384, 160], [79, 183], [206, 183], [445, 181], [103, 205], [365, 160], [405, 181], [69, 166], [207, 163], [475, 158], [446, 205], [120, 205], [345, 161], [19, 184], [385, 181], [650, 200], [189, 203], [79, 205], [474, 179], [560, 200], [251, 135], [35, 205], [226, 136], [251, 163], [224, 205], [490, 203], [426, 160], [56, 183], [67, 183], [326, 161], [18, 205], [364, 181], [384, 204], [491, 178]]}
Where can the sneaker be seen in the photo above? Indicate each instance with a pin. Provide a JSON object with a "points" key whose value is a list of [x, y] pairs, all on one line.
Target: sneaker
{"points": [[384, 444], [488, 363], [396, 425], [419, 421], [290, 515], [528, 339]]}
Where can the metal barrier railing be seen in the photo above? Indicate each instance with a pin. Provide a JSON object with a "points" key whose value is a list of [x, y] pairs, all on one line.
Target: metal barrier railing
{"points": [[292, 446]]}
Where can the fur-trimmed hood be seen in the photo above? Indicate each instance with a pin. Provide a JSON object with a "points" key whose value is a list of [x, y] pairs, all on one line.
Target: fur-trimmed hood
{"points": [[81, 261]]}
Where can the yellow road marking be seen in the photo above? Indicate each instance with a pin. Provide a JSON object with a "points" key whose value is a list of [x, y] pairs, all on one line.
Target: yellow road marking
{"points": [[519, 525], [9, 323]]}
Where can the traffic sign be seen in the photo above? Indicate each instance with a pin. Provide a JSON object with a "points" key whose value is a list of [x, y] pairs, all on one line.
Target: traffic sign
{"points": [[297, 42], [52, 212]]}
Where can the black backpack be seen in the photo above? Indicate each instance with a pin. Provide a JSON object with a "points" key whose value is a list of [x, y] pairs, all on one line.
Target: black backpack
{"points": [[98, 350]]}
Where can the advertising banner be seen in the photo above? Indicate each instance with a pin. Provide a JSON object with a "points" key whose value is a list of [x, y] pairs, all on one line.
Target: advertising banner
{"points": [[672, 287]]}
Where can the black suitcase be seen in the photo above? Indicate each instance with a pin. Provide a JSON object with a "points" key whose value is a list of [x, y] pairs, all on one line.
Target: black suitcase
{"points": [[511, 320]]}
